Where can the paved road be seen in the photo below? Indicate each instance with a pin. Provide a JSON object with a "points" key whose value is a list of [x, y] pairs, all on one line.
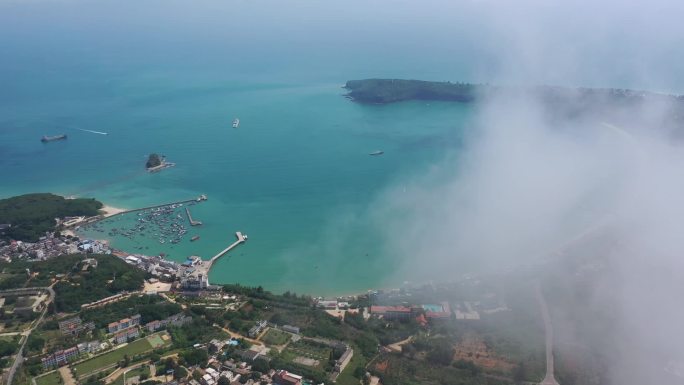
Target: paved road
{"points": [[19, 358], [397, 346], [549, 379], [166, 297]]}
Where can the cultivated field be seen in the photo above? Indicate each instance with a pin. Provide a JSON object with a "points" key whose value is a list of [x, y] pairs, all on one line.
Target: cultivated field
{"points": [[307, 353], [276, 337]]}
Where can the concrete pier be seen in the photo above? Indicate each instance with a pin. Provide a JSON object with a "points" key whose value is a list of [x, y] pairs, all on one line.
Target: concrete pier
{"points": [[205, 266], [98, 218], [192, 221], [240, 239]]}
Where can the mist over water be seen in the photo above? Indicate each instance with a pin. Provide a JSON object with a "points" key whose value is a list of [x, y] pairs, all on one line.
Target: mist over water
{"points": [[592, 203]]}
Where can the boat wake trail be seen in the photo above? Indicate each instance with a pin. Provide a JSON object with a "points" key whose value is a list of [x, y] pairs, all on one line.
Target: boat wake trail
{"points": [[94, 132]]}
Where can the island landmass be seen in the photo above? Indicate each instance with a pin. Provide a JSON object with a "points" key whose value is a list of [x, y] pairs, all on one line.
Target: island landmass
{"points": [[156, 162], [153, 160], [385, 91], [606, 106]]}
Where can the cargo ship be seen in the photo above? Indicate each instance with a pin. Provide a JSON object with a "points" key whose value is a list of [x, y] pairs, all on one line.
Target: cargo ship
{"points": [[46, 138]]}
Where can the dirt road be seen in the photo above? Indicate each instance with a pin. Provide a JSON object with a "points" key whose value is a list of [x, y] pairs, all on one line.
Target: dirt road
{"points": [[66, 376], [239, 336]]}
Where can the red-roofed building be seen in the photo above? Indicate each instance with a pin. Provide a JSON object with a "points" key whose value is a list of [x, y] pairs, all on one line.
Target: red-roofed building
{"points": [[283, 377], [126, 335], [113, 327], [59, 358], [392, 312]]}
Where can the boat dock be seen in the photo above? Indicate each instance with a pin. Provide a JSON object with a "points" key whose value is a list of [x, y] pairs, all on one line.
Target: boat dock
{"points": [[192, 221], [205, 266], [240, 239], [99, 218], [200, 198]]}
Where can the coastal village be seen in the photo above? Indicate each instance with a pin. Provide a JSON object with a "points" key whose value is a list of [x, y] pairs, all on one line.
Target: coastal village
{"points": [[136, 348], [191, 274], [172, 326], [104, 342]]}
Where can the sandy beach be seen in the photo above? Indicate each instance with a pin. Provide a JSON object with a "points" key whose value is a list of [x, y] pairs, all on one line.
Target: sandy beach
{"points": [[110, 210], [68, 232]]}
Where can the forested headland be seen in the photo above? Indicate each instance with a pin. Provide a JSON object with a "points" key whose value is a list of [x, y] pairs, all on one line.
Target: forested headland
{"points": [[31, 215]]}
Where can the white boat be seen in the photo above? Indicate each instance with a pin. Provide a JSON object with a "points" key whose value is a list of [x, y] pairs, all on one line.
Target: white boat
{"points": [[236, 123]]}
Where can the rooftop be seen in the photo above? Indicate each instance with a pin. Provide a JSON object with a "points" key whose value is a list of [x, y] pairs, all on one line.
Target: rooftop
{"points": [[390, 309]]}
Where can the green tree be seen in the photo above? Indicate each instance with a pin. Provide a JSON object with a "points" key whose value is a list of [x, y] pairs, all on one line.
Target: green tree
{"points": [[194, 356], [467, 365], [35, 343], [7, 348], [520, 372], [154, 357], [260, 365], [153, 160], [441, 352], [180, 373], [32, 215]]}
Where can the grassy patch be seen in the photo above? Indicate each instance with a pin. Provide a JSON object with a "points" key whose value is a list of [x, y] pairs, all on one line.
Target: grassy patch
{"points": [[132, 373], [399, 370], [53, 378], [276, 337], [307, 349], [135, 347], [54, 340], [347, 375], [310, 350], [156, 341]]}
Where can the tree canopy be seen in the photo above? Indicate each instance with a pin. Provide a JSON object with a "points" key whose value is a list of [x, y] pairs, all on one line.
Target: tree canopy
{"points": [[31, 215], [153, 160], [111, 276]]}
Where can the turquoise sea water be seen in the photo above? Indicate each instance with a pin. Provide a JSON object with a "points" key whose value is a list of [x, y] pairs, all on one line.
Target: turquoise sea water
{"points": [[297, 163], [164, 77], [296, 169], [170, 76]]}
